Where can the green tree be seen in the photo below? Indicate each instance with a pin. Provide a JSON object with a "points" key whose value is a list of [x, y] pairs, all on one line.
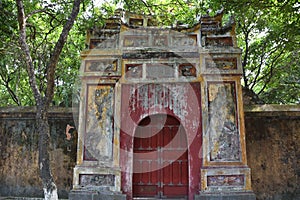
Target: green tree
{"points": [[268, 32], [42, 29], [166, 12], [13, 77], [39, 23]]}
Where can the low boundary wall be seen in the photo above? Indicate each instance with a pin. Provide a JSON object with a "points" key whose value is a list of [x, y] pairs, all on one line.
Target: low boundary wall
{"points": [[272, 137]]}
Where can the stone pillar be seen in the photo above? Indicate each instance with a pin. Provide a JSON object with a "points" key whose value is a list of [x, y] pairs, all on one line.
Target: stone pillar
{"points": [[97, 173], [224, 171]]}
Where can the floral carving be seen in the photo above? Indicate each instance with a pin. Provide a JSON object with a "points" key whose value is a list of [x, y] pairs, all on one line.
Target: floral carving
{"points": [[97, 180], [135, 41], [221, 63], [225, 180], [101, 65], [218, 41]]}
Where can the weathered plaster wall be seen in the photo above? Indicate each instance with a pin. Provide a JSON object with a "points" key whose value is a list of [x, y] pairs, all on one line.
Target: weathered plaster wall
{"points": [[272, 136], [19, 174], [273, 151]]}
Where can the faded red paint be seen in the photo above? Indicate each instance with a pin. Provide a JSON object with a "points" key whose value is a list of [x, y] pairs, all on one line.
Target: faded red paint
{"points": [[160, 160], [188, 113]]}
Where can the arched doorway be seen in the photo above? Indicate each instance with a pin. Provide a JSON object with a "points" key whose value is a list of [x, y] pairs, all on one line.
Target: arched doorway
{"points": [[160, 160]]}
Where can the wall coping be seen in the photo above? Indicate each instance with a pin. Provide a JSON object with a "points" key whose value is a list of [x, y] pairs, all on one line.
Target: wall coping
{"points": [[63, 112], [28, 112], [275, 110]]}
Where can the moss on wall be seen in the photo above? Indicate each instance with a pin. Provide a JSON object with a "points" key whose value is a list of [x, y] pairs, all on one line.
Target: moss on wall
{"points": [[272, 136], [273, 151], [19, 174]]}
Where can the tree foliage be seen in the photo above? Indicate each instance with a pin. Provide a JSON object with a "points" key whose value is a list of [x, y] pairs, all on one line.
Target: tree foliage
{"points": [[13, 77], [167, 12], [268, 33]]}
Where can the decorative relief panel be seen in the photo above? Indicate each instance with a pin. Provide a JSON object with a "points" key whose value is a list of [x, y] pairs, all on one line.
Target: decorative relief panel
{"points": [[218, 41], [209, 26], [107, 43], [226, 180], [134, 70], [99, 123], [187, 69], [160, 70], [101, 65], [183, 40], [222, 63], [136, 41], [160, 41], [224, 139], [96, 180]]}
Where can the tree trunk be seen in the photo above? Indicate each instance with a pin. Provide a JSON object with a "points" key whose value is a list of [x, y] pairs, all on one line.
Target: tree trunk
{"points": [[43, 130], [43, 102]]}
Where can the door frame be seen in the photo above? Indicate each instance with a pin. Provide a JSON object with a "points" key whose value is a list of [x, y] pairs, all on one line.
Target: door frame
{"points": [[192, 124]]}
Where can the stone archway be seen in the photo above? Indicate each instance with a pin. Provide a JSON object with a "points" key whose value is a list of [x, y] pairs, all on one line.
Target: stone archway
{"points": [[160, 158]]}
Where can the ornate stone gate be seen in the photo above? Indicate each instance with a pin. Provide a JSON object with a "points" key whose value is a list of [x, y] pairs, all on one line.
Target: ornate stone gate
{"points": [[161, 113]]}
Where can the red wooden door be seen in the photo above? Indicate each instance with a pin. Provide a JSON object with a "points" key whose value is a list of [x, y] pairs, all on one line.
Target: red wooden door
{"points": [[160, 159]]}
